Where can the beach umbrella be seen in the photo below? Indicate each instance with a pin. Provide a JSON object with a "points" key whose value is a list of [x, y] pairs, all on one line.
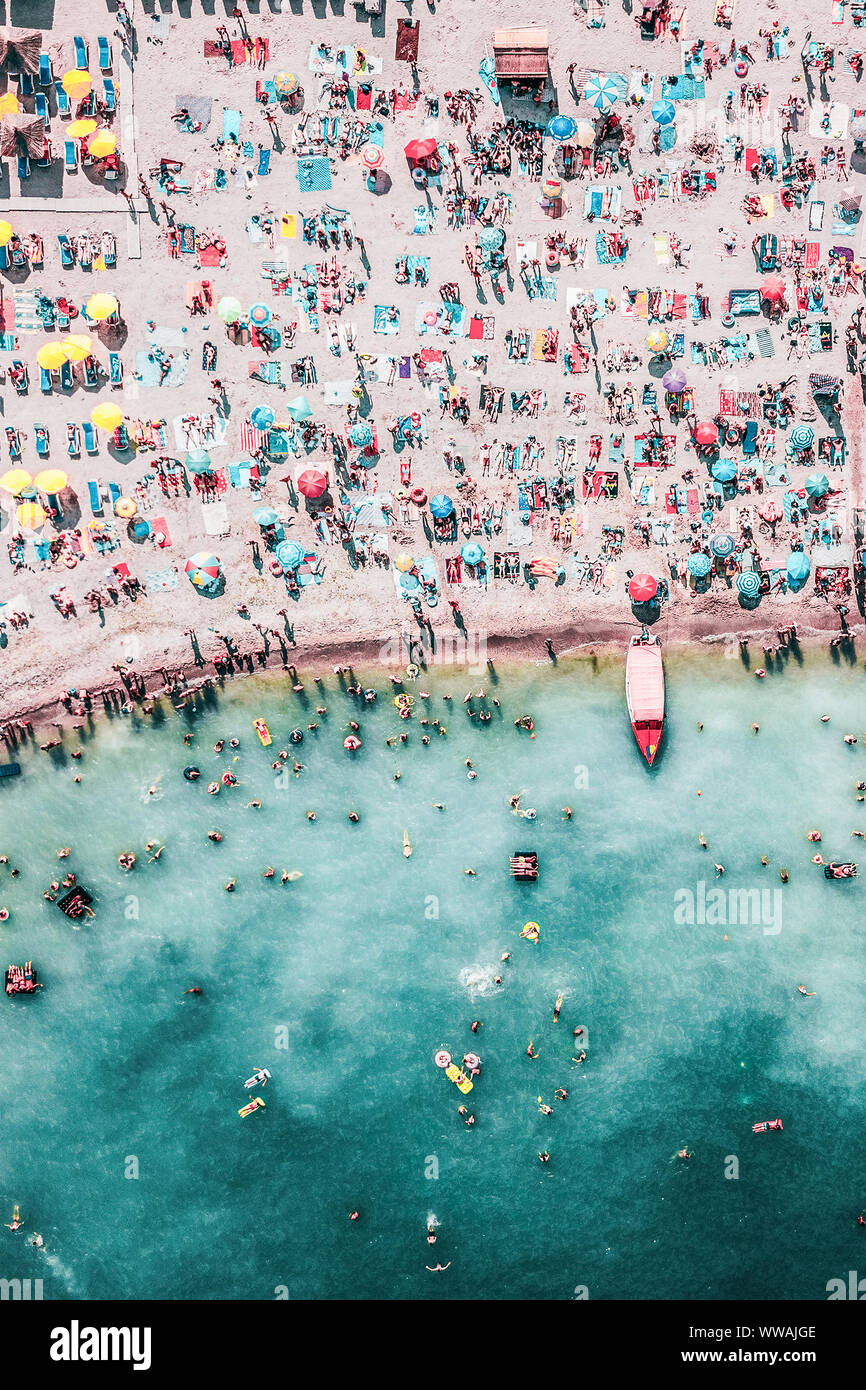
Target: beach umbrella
{"points": [[491, 238], [107, 416], [78, 129], [6, 233], [262, 417], [772, 288], [601, 92], [749, 583], [51, 356], [125, 507], [289, 554], [657, 340], [51, 481], [287, 83], [642, 588], [198, 461], [771, 511], [674, 380], [551, 188], [584, 136], [15, 481], [706, 433], [441, 506], [361, 434], [723, 544], [229, 309], [817, 484], [312, 483], [22, 133], [101, 306], [562, 129], [203, 569], [76, 83], [265, 516], [299, 408], [403, 562], [802, 436], [31, 516], [699, 564], [858, 128], [25, 45], [663, 112], [798, 567], [724, 471], [77, 346], [372, 156], [472, 553], [421, 149], [9, 104], [259, 314]]}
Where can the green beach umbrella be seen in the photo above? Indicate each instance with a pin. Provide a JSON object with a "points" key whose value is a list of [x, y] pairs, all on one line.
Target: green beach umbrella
{"points": [[798, 567], [229, 309], [724, 471], [198, 461], [817, 484], [699, 565], [299, 408], [802, 436], [472, 553], [265, 516]]}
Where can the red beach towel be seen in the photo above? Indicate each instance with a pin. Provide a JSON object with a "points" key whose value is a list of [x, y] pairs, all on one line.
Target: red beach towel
{"points": [[159, 524]]}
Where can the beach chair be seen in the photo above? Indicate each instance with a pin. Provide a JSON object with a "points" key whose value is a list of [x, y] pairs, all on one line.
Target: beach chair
{"points": [[70, 156], [110, 93], [41, 434], [45, 381], [67, 381], [114, 493], [89, 434], [64, 110], [264, 161], [73, 439], [23, 167], [25, 84], [80, 51], [67, 258], [4, 258], [47, 158], [40, 108], [46, 77], [103, 53], [62, 320], [115, 369], [90, 370], [94, 492]]}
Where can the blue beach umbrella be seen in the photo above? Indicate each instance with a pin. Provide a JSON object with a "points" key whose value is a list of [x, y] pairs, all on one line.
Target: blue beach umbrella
{"points": [[265, 516], [299, 408], [817, 484], [749, 583], [491, 238], [699, 565], [601, 91], [361, 434], [663, 112], [290, 554], [724, 471], [722, 544], [198, 461], [562, 129], [472, 553], [798, 567], [441, 506], [262, 417]]}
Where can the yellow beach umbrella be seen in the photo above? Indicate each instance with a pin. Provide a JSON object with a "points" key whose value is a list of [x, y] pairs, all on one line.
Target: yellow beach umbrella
{"points": [[77, 82], [657, 340], [86, 126], [77, 346], [102, 144], [51, 356], [51, 480], [9, 104], [107, 416], [15, 481], [31, 516], [287, 83], [6, 233], [404, 562], [101, 306], [125, 507]]}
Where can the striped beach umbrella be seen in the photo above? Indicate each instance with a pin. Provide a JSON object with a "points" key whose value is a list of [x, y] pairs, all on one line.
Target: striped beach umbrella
{"points": [[674, 380], [657, 340], [601, 91], [372, 156], [749, 583], [287, 83], [203, 568], [802, 436], [441, 506], [722, 544], [289, 554], [817, 484], [699, 565], [260, 314]]}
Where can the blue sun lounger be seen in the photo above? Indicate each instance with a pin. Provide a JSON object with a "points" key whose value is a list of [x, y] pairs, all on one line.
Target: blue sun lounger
{"points": [[104, 53], [64, 110], [25, 84], [94, 492], [40, 108], [46, 77], [45, 381], [67, 381], [89, 434], [80, 51], [70, 156], [114, 493], [23, 167], [115, 368], [41, 434], [110, 93]]}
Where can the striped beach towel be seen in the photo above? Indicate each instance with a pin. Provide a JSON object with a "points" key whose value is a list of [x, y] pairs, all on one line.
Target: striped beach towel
{"points": [[27, 319], [252, 440]]}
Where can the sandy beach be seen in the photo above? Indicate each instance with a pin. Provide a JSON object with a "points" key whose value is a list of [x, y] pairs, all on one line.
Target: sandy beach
{"points": [[354, 611]]}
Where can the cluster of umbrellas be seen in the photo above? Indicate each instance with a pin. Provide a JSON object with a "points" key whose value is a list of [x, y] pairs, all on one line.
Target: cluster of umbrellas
{"points": [[30, 513], [75, 348]]}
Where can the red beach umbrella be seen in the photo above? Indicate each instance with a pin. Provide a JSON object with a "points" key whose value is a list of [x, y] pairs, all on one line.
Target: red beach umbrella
{"points": [[312, 483], [420, 149], [642, 588], [773, 288], [706, 433]]}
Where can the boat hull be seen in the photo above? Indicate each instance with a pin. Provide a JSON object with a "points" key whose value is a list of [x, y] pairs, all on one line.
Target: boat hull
{"points": [[645, 695]]}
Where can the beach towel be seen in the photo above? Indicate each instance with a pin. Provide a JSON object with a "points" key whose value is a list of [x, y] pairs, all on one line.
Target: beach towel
{"points": [[487, 73], [662, 246], [215, 518], [159, 527], [156, 580], [314, 175], [682, 88], [406, 49], [199, 107], [231, 125]]}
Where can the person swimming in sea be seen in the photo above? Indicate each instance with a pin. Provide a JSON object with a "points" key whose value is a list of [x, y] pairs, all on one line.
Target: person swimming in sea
{"points": [[567, 813], [545, 1109], [556, 1008], [702, 841], [531, 1052], [807, 993]]}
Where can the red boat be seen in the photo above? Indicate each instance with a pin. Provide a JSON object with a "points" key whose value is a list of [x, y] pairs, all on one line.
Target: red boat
{"points": [[645, 692]]}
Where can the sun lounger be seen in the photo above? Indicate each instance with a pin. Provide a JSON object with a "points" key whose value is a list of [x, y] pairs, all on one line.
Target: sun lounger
{"points": [[114, 494], [94, 493], [73, 439], [80, 51], [110, 93], [25, 84], [40, 108], [115, 369], [64, 110], [90, 369], [41, 434], [23, 167], [89, 434], [67, 382], [45, 75], [103, 53], [70, 156], [45, 381]]}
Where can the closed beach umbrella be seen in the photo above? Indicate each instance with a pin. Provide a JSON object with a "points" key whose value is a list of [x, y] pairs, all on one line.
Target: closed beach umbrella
{"points": [[472, 553], [203, 568], [265, 516], [15, 481], [287, 83], [229, 309], [312, 483], [663, 112], [289, 554], [441, 506], [420, 149], [562, 129], [724, 471], [51, 356], [403, 562], [77, 346], [706, 432], [674, 380], [722, 544], [101, 306], [749, 583], [51, 481], [372, 156], [642, 588], [817, 484], [126, 507], [31, 516], [198, 461], [76, 83], [9, 104], [7, 232], [657, 340], [299, 408], [107, 416], [361, 434], [262, 417], [601, 92], [78, 129], [798, 566], [802, 436], [260, 314], [772, 288], [699, 565]]}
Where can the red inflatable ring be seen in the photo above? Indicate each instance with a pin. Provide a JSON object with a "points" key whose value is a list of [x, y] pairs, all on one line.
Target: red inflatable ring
{"points": [[418, 496], [352, 743]]}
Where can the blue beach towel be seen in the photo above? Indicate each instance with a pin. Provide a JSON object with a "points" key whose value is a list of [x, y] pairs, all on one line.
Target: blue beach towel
{"points": [[314, 175], [682, 88], [231, 125]]}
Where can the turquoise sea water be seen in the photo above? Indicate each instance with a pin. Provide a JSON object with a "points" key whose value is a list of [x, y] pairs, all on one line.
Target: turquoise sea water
{"points": [[371, 962]]}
